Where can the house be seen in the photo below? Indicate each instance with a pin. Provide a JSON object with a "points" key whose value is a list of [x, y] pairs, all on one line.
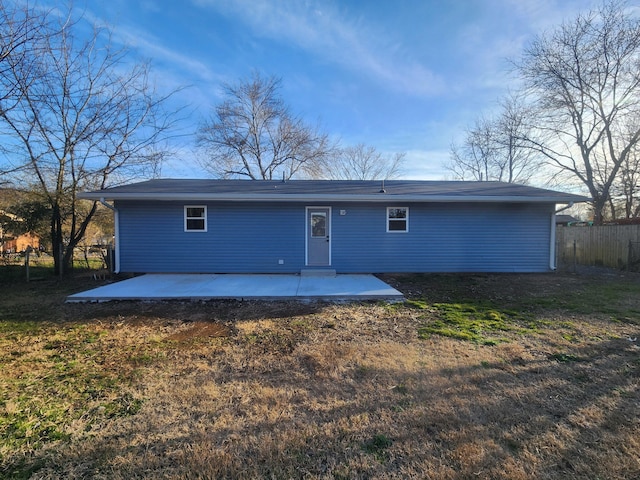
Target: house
{"points": [[255, 226], [20, 243], [566, 220], [12, 242]]}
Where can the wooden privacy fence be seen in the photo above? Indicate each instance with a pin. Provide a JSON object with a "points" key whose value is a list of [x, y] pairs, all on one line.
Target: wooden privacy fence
{"points": [[615, 246]]}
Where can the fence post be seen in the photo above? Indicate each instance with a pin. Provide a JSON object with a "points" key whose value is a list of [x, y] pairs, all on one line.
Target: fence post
{"points": [[575, 257], [26, 262], [630, 256]]}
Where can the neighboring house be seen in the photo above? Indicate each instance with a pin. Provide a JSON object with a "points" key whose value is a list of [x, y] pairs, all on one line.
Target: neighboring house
{"points": [[566, 220], [20, 243], [255, 226], [10, 242]]}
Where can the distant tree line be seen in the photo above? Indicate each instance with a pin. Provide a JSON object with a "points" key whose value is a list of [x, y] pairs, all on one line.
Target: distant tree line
{"points": [[576, 119]]}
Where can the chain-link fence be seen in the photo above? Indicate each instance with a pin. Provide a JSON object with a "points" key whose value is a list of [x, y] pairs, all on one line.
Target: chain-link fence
{"points": [[97, 258]]}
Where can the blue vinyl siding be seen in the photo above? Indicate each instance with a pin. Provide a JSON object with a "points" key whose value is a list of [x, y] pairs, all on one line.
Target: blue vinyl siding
{"points": [[252, 238], [445, 238], [240, 237]]}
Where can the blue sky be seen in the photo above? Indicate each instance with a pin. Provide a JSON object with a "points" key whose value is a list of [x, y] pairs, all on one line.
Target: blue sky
{"points": [[400, 75]]}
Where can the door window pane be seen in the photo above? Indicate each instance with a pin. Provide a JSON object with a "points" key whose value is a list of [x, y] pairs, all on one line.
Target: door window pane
{"points": [[318, 225]]}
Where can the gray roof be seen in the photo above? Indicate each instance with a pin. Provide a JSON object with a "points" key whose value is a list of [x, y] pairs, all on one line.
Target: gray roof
{"points": [[331, 190]]}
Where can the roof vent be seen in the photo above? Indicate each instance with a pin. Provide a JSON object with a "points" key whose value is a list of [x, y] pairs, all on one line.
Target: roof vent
{"points": [[382, 190]]}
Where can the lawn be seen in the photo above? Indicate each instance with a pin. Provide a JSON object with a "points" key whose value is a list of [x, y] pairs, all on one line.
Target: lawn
{"points": [[475, 376]]}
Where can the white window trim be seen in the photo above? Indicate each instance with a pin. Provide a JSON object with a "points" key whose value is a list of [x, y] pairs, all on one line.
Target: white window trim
{"points": [[406, 230], [195, 218]]}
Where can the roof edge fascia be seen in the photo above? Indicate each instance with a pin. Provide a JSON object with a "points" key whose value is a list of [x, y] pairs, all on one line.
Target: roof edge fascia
{"points": [[381, 197]]}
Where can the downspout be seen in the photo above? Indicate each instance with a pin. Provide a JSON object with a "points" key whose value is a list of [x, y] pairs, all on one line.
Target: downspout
{"points": [[552, 241], [116, 234]]}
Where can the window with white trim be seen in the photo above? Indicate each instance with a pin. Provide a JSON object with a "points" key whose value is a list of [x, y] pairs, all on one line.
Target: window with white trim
{"points": [[195, 218], [397, 219]]}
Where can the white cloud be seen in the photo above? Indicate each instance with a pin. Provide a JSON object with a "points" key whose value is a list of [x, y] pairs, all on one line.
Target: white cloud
{"points": [[324, 30], [425, 165], [172, 70], [152, 47], [543, 15], [151, 6], [172, 65]]}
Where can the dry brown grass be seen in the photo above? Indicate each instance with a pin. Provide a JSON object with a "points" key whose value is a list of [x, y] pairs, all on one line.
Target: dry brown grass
{"points": [[290, 390]]}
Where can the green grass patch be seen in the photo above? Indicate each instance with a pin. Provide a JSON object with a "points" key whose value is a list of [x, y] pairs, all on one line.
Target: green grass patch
{"points": [[476, 322], [615, 298], [417, 304], [122, 406], [15, 329], [18, 273], [376, 446], [54, 376], [565, 357]]}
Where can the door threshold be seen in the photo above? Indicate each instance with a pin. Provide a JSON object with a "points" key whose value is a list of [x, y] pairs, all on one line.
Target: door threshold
{"points": [[317, 272]]}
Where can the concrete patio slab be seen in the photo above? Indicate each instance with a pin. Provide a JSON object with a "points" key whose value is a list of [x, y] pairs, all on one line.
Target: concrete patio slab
{"points": [[232, 286]]}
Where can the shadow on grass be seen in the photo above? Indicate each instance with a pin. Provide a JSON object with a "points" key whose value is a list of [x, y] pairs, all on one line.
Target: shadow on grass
{"points": [[44, 301], [519, 296], [544, 418]]}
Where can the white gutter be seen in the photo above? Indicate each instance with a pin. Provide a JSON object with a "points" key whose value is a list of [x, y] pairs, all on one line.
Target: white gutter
{"points": [[116, 234], [570, 204], [552, 242]]}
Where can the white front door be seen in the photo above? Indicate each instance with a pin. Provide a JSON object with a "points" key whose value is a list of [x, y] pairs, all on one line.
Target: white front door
{"points": [[319, 236]]}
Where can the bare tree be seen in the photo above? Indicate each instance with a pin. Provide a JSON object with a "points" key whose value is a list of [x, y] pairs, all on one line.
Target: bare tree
{"points": [[79, 117], [361, 162], [584, 78], [625, 193], [252, 134], [474, 159], [494, 149], [19, 27], [515, 161]]}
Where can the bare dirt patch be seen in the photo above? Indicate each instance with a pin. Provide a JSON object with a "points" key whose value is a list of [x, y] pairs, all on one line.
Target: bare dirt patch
{"points": [[199, 331], [546, 384]]}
